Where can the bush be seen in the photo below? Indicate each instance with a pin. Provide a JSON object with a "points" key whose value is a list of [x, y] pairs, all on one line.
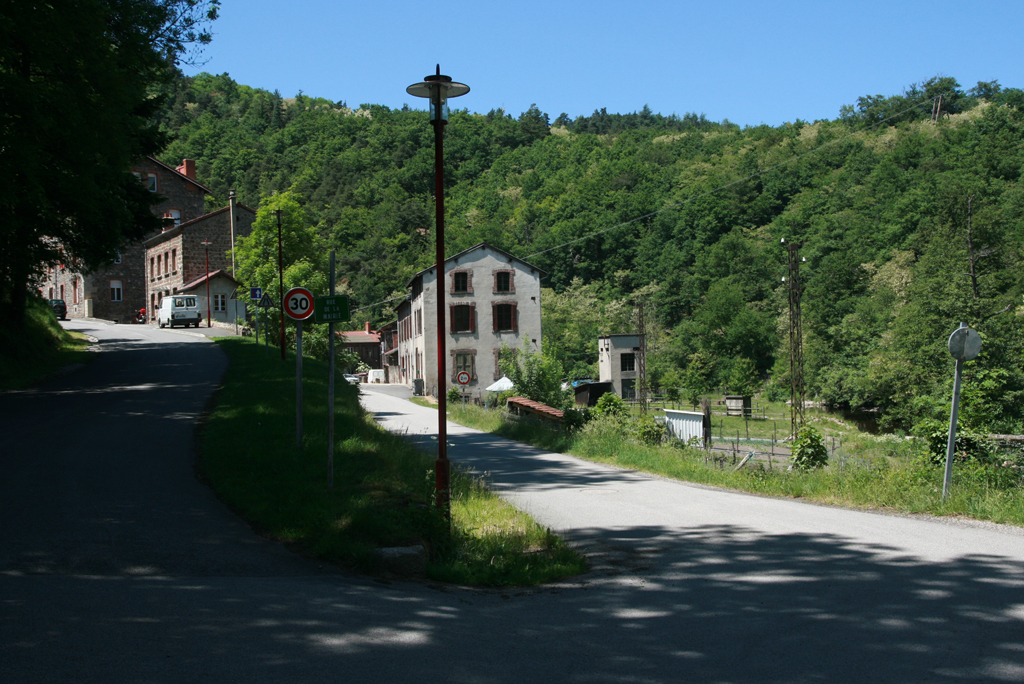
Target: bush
{"points": [[575, 418], [454, 395], [970, 444], [647, 431], [611, 406], [809, 450]]}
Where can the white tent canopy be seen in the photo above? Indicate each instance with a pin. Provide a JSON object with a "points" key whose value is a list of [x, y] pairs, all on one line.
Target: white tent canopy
{"points": [[501, 385]]}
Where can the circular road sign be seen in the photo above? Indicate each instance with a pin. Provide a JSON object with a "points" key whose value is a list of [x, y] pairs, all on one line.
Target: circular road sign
{"points": [[298, 303], [964, 344], [463, 378]]}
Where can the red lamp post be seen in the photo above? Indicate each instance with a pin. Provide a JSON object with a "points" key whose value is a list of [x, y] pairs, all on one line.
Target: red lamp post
{"points": [[206, 243], [438, 88]]}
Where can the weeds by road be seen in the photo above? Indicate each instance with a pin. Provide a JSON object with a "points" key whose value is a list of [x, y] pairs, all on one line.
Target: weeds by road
{"points": [[884, 472], [382, 496], [41, 349]]}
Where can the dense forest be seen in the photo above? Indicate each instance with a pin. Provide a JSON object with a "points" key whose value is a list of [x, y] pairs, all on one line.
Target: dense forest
{"points": [[908, 209]]}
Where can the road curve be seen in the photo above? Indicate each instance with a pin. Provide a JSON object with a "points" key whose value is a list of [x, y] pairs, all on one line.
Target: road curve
{"points": [[118, 565]]}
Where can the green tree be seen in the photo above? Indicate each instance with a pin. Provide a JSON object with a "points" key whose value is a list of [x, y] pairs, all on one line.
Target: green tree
{"points": [[76, 80], [303, 251], [536, 376]]}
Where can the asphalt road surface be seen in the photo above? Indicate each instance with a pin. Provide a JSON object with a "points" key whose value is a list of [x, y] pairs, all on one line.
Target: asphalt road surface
{"points": [[117, 565]]}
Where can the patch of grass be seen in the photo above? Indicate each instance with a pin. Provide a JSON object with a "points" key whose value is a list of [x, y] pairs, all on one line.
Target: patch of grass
{"points": [[40, 349], [883, 472], [383, 488]]}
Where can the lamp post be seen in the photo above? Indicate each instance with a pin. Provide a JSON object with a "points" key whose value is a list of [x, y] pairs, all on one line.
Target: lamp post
{"points": [[438, 88], [206, 243], [280, 279]]}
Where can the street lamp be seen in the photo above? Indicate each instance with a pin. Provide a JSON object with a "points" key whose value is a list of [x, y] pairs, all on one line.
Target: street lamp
{"points": [[438, 89], [206, 243]]}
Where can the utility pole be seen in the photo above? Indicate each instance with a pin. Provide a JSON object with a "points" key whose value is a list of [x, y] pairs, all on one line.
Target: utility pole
{"points": [[796, 344], [641, 383]]}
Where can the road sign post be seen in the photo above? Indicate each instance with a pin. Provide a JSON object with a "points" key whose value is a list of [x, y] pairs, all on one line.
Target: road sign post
{"points": [[964, 345], [298, 304]]}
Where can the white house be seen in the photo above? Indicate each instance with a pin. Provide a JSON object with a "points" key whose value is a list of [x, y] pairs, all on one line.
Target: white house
{"points": [[491, 299]]}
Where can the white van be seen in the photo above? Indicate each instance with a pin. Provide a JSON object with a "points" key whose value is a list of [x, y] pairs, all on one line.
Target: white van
{"points": [[179, 310]]}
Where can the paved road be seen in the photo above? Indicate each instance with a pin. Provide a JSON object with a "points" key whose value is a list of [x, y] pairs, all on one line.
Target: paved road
{"points": [[117, 565]]}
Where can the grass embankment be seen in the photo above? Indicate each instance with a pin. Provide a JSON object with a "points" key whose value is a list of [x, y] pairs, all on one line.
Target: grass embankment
{"points": [[884, 472], [383, 487], [38, 350]]}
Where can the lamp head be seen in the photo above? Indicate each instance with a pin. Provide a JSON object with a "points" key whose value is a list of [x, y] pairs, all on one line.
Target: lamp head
{"points": [[438, 88]]}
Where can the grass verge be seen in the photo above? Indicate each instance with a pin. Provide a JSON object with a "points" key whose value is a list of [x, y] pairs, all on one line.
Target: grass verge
{"points": [[42, 348], [884, 472], [383, 487]]}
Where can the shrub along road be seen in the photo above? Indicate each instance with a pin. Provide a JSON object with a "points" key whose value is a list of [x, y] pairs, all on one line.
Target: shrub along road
{"points": [[116, 564]]}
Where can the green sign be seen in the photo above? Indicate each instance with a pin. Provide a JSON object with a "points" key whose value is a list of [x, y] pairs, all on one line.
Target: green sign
{"points": [[330, 309]]}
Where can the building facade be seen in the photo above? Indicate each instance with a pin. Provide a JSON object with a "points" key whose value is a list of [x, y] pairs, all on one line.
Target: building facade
{"points": [[617, 359], [492, 299], [115, 291], [177, 256]]}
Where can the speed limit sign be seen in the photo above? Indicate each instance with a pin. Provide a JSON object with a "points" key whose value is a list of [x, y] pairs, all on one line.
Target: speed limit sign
{"points": [[298, 303], [463, 378]]}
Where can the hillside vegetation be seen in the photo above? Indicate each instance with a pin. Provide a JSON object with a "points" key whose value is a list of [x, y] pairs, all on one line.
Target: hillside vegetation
{"points": [[911, 220]]}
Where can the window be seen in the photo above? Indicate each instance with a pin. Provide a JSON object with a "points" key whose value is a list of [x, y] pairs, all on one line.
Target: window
{"points": [[629, 389], [152, 268], [74, 289], [174, 260], [504, 316], [115, 291], [504, 282], [463, 360], [462, 316], [627, 362], [167, 260], [219, 303], [148, 180], [462, 282]]}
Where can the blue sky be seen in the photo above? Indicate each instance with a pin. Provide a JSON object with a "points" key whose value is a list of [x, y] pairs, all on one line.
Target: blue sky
{"points": [[749, 62]]}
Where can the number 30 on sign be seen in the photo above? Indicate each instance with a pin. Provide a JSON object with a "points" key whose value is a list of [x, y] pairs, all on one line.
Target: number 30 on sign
{"points": [[298, 303]]}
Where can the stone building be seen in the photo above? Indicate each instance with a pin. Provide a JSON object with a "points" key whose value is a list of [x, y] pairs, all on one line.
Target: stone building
{"points": [[178, 256], [617, 357], [492, 299], [115, 291]]}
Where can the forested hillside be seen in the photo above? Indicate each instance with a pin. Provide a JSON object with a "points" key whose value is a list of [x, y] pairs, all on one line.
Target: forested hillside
{"points": [[909, 210]]}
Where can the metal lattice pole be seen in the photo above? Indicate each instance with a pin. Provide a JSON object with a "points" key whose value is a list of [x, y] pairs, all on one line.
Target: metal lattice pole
{"points": [[641, 388], [796, 346]]}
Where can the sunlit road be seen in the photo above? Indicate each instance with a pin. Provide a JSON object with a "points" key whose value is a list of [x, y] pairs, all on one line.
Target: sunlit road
{"points": [[117, 565]]}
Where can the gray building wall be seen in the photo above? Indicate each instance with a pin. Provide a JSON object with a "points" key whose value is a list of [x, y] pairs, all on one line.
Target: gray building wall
{"points": [[481, 265], [610, 350]]}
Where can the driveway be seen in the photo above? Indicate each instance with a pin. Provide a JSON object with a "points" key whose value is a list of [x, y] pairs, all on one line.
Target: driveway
{"points": [[118, 565]]}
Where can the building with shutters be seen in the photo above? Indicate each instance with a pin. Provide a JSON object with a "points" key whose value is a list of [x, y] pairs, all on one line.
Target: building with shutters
{"points": [[491, 299]]}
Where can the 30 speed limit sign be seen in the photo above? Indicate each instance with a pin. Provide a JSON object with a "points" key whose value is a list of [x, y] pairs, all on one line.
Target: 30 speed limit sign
{"points": [[298, 303]]}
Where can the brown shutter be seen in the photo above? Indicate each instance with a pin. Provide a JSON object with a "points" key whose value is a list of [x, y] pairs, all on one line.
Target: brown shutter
{"points": [[494, 317], [472, 318], [515, 317], [451, 318]]}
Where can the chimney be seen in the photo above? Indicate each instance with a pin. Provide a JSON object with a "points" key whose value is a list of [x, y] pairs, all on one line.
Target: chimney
{"points": [[367, 327], [187, 168]]}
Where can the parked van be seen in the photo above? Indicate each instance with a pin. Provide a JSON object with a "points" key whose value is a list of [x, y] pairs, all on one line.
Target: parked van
{"points": [[179, 310]]}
